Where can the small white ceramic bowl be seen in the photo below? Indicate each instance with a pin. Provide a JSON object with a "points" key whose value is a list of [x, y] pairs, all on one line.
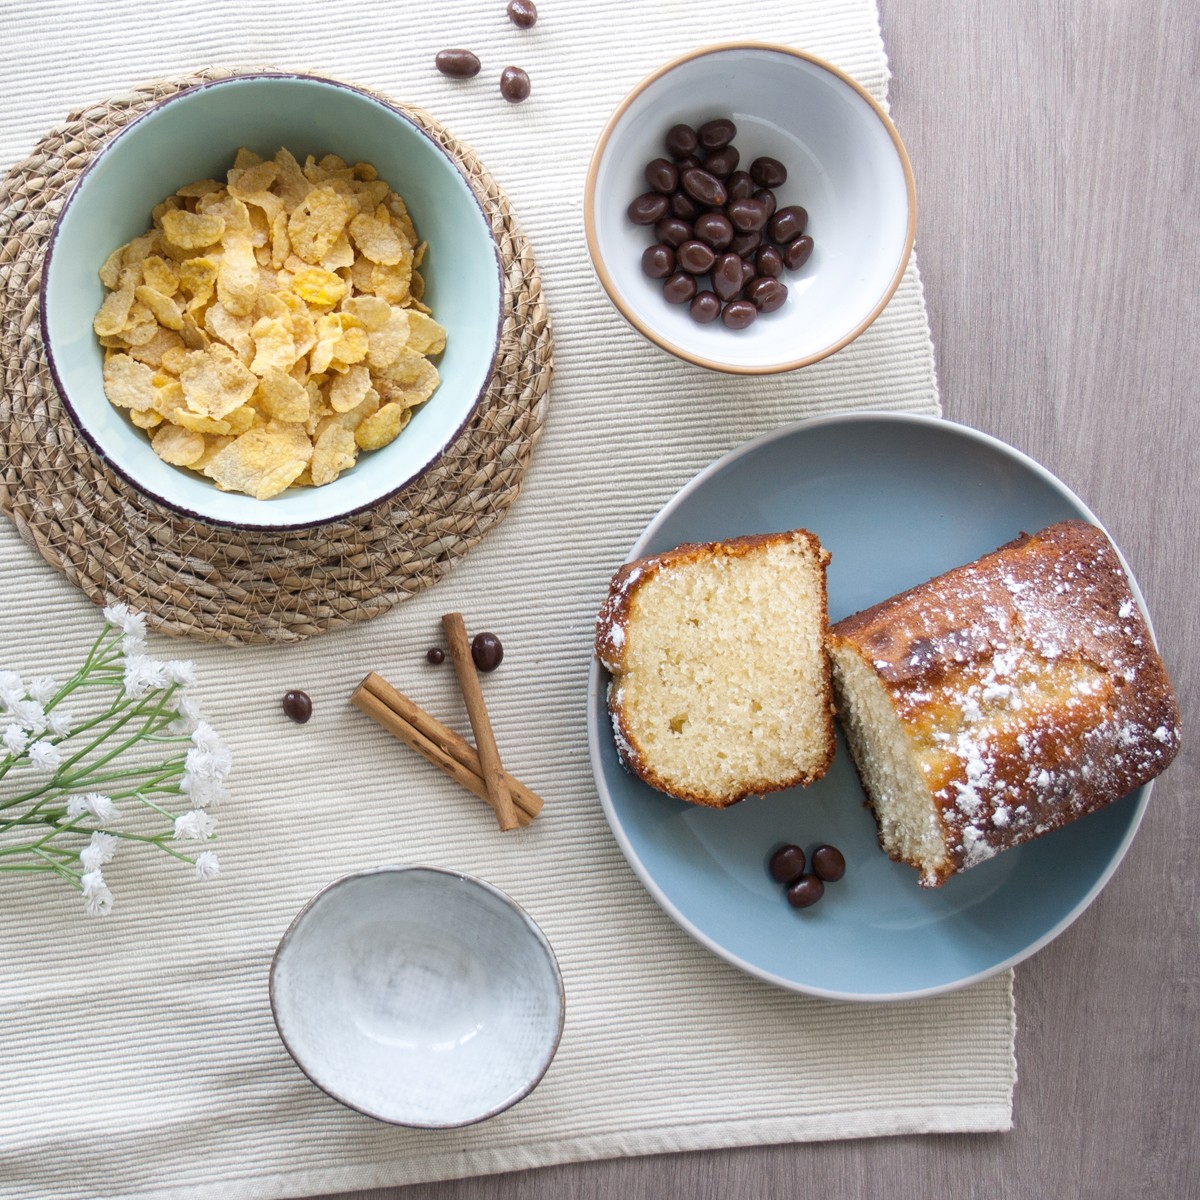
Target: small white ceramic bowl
{"points": [[194, 135], [846, 166], [418, 996]]}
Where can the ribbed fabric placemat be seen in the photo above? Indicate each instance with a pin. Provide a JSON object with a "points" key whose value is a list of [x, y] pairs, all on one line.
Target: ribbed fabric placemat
{"points": [[139, 1057]]}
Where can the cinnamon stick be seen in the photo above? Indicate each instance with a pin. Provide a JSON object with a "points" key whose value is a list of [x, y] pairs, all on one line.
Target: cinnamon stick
{"points": [[481, 725], [406, 720]]}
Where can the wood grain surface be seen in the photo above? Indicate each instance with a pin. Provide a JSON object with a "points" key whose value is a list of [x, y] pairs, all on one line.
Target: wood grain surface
{"points": [[1055, 150]]}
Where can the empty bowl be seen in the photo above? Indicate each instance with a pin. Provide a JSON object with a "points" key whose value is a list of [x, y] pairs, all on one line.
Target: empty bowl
{"points": [[194, 135], [418, 996], [845, 165]]}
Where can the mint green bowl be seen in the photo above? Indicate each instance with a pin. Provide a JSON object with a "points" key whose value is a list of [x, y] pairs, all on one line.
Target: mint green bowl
{"points": [[195, 135]]}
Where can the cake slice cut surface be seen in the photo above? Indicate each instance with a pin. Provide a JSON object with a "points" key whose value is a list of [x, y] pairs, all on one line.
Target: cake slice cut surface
{"points": [[720, 678]]}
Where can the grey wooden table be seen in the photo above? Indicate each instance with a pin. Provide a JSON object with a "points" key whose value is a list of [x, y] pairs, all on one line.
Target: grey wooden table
{"points": [[1055, 150]]}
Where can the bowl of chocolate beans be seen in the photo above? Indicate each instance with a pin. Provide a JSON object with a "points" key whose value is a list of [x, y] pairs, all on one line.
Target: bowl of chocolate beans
{"points": [[750, 208]]}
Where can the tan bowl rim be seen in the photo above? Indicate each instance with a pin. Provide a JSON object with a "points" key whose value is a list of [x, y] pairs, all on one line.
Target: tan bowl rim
{"points": [[589, 201]]}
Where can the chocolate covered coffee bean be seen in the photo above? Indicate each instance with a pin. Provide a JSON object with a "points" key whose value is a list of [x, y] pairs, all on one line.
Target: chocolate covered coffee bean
{"points": [[658, 261], [797, 253], [704, 188], [706, 308], [648, 208], [514, 85], [680, 141], [662, 176], [713, 135], [695, 257], [714, 229], [721, 241], [680, 288], [788, 224], [457, 64]]}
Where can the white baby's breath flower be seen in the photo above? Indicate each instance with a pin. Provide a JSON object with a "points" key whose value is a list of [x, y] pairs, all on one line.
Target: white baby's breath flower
{"points": [[12, 689], [15, 739], [207, 866], [188, 709], [196, 825], [142, 674], [181, 671], [60, 721], [94, 804], [42, 688], [205, 737], [31, 715], [203, 793], [98, 851], [97, 898], [208, 764], [45, 756], [120, 617]]}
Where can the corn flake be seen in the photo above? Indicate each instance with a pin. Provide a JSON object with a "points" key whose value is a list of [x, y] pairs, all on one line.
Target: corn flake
{"points": [[269, 326]]}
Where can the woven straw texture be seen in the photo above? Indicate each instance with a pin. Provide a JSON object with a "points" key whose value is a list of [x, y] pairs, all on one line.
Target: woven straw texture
{"points": [[139, 1057], [239, 585]]}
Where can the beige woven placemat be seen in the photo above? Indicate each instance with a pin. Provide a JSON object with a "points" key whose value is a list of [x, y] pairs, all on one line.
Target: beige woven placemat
{"points": [[238, 585]]}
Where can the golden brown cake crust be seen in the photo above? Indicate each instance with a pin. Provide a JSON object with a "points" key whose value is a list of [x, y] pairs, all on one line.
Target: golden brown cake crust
{"points": [[610, 644], [1031, 679]]}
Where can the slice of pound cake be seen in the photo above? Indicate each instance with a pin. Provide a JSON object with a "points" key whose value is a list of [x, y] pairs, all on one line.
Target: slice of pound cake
{"points": [[720, 678], [1002, 700]]}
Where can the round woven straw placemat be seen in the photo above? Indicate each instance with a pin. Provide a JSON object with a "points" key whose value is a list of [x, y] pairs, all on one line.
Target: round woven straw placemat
{"points": [[234, 585]]}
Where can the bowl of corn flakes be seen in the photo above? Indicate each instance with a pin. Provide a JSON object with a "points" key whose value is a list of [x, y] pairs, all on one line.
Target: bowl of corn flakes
{"points": [[271, 302]]}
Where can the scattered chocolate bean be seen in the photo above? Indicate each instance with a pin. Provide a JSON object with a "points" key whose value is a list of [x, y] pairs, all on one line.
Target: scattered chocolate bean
{"points": [[683, 206], [486, 651], [514, 85], [704, 188], [767, 294], [673, 232], [740, 186], [828, 863], [648, 208], [727, 276], [715, 134], [714, 229], [744, 245], [768, 172], [696, 258], [680, 288], [458, 64], [681, 140], [748, 216], [807, 890], [786, 865], [706, 308], [297, 706], [767, 261], [723, 162], [737, 314], [788, 224], [797, 253], [662, 176], [435, 655], [522, 13], [658, 261]]}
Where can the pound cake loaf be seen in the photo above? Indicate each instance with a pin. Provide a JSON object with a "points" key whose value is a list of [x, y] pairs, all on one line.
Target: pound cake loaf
{"points": [[720, 678], [1002, 700]]}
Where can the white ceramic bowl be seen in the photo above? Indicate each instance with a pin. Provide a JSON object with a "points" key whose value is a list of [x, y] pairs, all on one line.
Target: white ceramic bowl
{"points": [[846, 166], [418, 996], [194, 135]]}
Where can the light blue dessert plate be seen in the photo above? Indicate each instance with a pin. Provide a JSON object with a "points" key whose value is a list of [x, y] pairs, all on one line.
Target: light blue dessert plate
{"points": [[896, 499]]}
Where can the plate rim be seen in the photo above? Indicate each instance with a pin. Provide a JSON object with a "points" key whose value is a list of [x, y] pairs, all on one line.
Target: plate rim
{"points": [[595, 683]]}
